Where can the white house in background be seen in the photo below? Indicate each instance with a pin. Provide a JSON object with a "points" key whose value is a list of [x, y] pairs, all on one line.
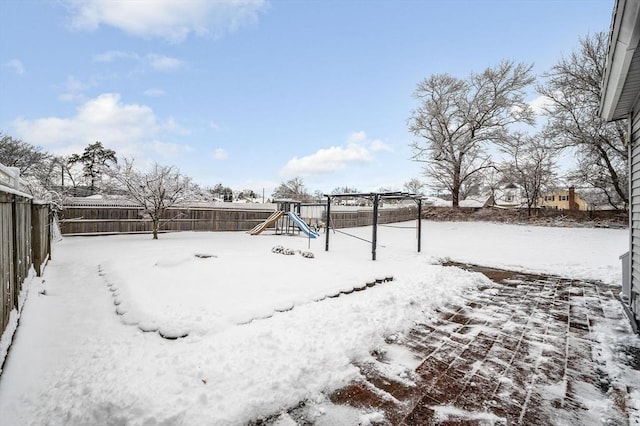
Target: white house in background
{"points": [[621, 99], [477, 202], [10, 177], [509, 197]]}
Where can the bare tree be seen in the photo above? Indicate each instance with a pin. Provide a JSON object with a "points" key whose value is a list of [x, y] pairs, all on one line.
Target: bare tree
{"points": [[573, 91], [155, 190], [491, 180], [38, 169], [472, 187], [293, 188], [414, 186], [345, 190], [457, 118], [29, 159], [531, 166]]}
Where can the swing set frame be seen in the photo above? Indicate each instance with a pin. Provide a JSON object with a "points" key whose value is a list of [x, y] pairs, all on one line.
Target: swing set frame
{"points": [[375, 198]]}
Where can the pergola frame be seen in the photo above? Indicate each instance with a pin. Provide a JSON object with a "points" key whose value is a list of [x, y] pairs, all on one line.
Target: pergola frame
{"points": [[375, 198]]}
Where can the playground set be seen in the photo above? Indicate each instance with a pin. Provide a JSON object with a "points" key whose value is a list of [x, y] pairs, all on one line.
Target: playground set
{"points": [[286, 220]]}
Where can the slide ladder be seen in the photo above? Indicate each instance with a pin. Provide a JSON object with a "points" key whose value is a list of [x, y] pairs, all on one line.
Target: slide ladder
{"points": [[270, 221]]}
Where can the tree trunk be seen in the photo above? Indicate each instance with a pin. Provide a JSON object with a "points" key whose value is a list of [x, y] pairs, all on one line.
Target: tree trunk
{"points": [[615, 180], [455, 188], [156, 225], [455, 197]]}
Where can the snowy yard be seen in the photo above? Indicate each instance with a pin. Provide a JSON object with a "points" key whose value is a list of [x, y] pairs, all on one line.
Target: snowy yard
{"points": [[257, 331]]}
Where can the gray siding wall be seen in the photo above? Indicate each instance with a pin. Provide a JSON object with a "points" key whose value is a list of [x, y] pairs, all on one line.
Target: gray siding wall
{"points": [[634, 163]]}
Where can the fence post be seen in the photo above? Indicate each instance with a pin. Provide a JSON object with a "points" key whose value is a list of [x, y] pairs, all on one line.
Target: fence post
{"points": [[6, 258], [14, 241], [419, 224], [51, 216], [36, 239], [374, 239], [328, 224]]}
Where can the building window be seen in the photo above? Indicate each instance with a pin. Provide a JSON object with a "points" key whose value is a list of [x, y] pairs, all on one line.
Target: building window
{"points": [[563, 198], [509, 198], [549, 197]]}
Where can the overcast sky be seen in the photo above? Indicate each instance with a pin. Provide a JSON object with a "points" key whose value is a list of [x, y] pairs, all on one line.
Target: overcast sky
{"points": [[250, 93]]}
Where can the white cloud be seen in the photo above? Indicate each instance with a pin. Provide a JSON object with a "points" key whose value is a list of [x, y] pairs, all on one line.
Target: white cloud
{"points": [[539, 103], [168, 149], [220, 154], [357, 137], [72, 90], [163, 63], [70, 97], [374, 145], [114, 55], [172, 20], [357, 150], [156, 61], [15, 65], [377, 145], [74, 85], [132, 130], [154, 92]]}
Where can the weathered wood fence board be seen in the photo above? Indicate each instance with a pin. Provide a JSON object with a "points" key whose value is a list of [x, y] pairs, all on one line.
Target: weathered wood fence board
{"points": [[116, 220], [6, 261], [85, 220], [364, 217], [21, 244], [40, 236], [25, 242]]}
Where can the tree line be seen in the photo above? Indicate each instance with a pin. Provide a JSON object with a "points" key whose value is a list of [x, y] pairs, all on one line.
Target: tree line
{"points": [[470, 132], [97, 171]]}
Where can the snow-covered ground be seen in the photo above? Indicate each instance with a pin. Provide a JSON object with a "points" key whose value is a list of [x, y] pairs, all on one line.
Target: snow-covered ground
{"points": [[263, 331]]}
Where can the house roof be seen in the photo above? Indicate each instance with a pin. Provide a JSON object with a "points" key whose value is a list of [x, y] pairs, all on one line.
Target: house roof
{"points": [[477, 202], [621, 82]]}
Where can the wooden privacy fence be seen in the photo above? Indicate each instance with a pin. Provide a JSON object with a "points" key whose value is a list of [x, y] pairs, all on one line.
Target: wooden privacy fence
{"points": [[126, 218], [364, 217], [25, 242]]}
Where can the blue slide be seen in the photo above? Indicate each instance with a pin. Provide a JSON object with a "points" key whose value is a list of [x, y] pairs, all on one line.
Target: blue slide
{"points": [[303, 226]]}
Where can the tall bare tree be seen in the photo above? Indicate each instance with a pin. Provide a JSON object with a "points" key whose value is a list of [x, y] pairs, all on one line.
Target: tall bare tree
{"points": [[38, 168], [293, 188], [573, 88], [457, 118], [530, 166], [492, 179], [345, 190], [29, 159], [155, 190], [414, 185]]}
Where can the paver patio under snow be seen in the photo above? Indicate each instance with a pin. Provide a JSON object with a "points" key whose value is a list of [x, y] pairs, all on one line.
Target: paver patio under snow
{"points": [[522, 350], [263, 330]]}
